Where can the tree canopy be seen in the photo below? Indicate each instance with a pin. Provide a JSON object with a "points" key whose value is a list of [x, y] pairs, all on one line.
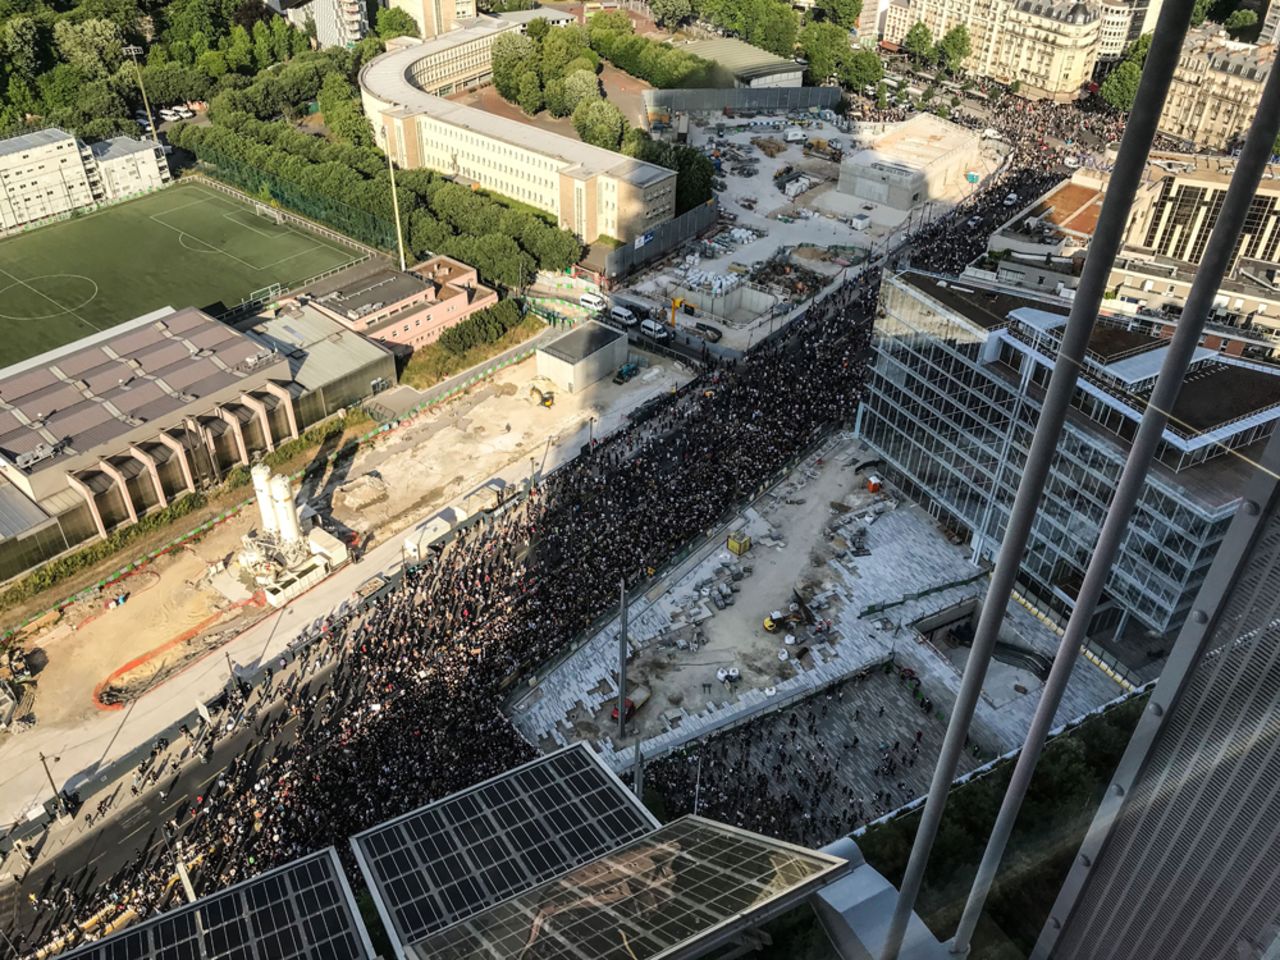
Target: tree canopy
{"points": [[843, 13], [954, 47], [395, 22], [918, 43]]}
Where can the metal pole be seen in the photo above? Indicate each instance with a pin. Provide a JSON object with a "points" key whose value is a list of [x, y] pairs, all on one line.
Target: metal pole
{"points": [[133, 50], [395, 206], [622, 660], [1139, 132], [1186, 337], [57, 794]]}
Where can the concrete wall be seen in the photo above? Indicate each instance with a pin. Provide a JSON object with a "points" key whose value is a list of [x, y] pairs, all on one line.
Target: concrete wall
{"points": [[575, 377]]}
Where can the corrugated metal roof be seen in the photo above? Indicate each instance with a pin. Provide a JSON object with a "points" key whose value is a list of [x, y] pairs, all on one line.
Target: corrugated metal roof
{"points": [[29, 141], [118, 147], [319, 350]]}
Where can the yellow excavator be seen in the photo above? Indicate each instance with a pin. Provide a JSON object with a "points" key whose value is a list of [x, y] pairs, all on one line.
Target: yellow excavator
{"points": [[543, 398]]}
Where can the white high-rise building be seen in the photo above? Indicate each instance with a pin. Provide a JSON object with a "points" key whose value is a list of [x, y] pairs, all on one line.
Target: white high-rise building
{"points": [[338, 23], [1271, 24], [49, 173]]}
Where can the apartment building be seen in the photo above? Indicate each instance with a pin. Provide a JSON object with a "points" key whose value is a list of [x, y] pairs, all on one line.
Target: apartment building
{"points": [[591, 191], [1049, 47], [435, 17], [1271, 24], [960, 369], [49, 173], [1216, 88], [338, 23]]}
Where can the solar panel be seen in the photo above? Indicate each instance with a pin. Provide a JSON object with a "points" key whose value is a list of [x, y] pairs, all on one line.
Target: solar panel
{"points": [[676, 892], [451, 859], [300, 911]]}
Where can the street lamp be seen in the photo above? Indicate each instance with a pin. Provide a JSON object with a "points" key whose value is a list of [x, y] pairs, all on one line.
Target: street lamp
{"points": [[57, 794], [133, 51]]}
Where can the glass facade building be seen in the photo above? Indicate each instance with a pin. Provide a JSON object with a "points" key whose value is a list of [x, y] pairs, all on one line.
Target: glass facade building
{"points": [[952, 407]]}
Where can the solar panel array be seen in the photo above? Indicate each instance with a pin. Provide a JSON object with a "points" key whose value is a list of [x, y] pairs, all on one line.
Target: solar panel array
{"points": [[301, 911], [669, 890], [451, 859]]}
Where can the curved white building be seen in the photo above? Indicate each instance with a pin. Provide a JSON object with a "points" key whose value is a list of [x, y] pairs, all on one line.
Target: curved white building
{"points": [[591, 191]]}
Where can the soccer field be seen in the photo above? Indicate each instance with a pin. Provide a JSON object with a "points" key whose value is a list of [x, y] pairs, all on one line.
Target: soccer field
{"points": [[185, 246]]}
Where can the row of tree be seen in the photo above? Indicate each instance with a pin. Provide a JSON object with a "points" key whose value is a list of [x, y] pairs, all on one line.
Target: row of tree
{"points": [[826, 47], [948, 52], [546, 69], [482, 327], [769, 24], [612, 35]]}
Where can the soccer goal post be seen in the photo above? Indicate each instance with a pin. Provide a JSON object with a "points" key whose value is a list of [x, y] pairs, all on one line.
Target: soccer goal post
{"points": [[271, 213]]}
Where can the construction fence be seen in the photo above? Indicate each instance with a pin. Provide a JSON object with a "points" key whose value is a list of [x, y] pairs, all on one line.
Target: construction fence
{"points": [[660, 241], [760, 99]]}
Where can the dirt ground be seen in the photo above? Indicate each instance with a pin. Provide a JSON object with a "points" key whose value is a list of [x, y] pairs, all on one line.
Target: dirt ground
{"points": [[622, 89], [390, 484]]}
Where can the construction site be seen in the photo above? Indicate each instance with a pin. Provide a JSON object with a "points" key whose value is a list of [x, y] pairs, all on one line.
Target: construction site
{"points": [[78, 665], [826, 576]]}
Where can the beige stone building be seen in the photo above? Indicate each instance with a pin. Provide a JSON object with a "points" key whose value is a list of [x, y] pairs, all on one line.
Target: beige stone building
{"points": [[1049, 47], [1216, 88], [591, 191], [435, 17]]}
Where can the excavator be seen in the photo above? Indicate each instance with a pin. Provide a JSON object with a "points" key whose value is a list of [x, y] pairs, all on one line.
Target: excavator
{"points": [[543, 398]]}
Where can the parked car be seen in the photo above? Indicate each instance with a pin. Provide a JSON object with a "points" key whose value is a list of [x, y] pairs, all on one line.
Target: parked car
{"points": [[592, 301], [622, 316], [167, 114], [186, 113], [655, 330]]}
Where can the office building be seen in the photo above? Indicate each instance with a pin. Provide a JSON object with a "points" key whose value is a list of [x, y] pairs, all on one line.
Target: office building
{"points": [[589, 190], [1174, 212], [459, 59], [1049, 47], [1215, 89], [97, 433], [1113, 30], [1181, 859], [338, 23], [954, 399], [49, 173], [404, 310]]}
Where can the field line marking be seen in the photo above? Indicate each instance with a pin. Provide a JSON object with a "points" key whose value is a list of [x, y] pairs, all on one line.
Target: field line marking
{"points": [[231, 215], [195, 236], [181, 206], [40, 293]]}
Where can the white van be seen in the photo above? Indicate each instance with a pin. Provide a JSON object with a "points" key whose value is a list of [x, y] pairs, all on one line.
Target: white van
{"points": [[654, 329], [623, 316], [592, 301]]}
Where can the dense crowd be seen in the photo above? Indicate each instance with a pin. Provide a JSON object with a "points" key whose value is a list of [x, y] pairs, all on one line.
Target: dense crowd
{"points": [[796, 774], [398, 703]]}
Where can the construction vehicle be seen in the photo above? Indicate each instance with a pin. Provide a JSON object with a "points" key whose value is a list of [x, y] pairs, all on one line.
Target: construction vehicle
{"points": [[15, 668], [626, 372], [639, 697], [543, 398], [796, 614]]}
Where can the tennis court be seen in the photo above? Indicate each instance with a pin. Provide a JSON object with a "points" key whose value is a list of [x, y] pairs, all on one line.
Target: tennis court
{"points": [[188, 245]]}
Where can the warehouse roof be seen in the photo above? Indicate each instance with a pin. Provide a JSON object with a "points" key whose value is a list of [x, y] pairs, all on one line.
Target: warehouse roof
{"points": [[741, 59], [319, 350], [388, 78], [118, 147], [88, 393]]}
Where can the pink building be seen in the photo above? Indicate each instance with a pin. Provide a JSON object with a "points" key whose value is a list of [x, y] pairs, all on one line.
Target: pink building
{"points": [[407, 310]]}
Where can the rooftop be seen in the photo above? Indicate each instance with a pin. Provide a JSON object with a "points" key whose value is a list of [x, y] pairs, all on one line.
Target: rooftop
{"points": [[387, 78], [741, 58], [86, 394], [373, 292], [118, 147], [550, 14], [917, 143], [988, 308], [582, 342], [29, 141], [319, 350]]}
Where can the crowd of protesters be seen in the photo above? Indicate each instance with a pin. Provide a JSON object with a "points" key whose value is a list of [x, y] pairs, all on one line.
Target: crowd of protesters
{"points": [[398, 702]]}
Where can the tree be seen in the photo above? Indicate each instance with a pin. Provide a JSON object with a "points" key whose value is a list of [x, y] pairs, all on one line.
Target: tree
{"points": [[396, 22], [562, 47], [825, 46], [600, 123], [579, 86], [882, 96], [862, 69], [843, 13], [1240, 20], [530, 95], [512, 55], [1120, 88], [919, 43], [239, 49], [537, 29], [669, 13], [94, 47], [954, 47], [1275, 150], [262, 55], [20, 45], [1199, 11]]}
